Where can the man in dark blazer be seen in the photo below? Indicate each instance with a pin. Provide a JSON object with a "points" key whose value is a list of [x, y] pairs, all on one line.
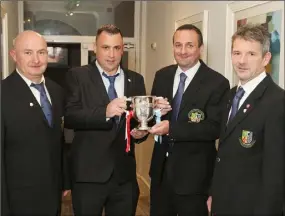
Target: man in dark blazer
{"points": [[103, 171], [31, 138], [182, 165], [249, 170]]}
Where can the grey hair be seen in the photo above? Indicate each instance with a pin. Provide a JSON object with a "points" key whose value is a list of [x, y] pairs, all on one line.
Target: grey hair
{"points": [[254, 32]]}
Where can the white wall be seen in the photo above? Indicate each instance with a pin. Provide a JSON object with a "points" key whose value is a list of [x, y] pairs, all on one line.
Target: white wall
{"points": [[216, 27], [159, 30], [11, 7], [161, 17]]}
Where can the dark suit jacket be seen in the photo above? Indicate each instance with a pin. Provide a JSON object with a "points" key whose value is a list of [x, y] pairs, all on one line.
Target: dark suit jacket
{"points": [[31, 150], [193, 152], [249, 173], [98, 146]]}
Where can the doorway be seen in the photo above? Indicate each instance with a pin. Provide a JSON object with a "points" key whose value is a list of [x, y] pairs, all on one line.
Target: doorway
{"points": [[62, 57]]}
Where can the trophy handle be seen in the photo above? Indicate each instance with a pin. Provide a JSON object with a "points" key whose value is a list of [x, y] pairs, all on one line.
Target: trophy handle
{"points": [[129, 99]]}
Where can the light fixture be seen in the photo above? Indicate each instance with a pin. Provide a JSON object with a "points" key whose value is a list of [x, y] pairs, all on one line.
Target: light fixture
{"points": [[71, 6], [69, 13]]}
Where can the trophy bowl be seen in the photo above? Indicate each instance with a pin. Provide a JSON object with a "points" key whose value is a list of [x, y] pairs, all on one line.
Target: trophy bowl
{"points": [[143, 110]]}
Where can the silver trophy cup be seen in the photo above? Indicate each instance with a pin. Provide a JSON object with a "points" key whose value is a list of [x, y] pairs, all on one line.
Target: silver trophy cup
{"points": [[143, 110]]}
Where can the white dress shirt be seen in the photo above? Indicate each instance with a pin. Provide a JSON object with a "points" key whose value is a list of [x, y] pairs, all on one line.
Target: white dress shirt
{"points": [[119, 81], [249, 87], [190, 73], [35, 92]]}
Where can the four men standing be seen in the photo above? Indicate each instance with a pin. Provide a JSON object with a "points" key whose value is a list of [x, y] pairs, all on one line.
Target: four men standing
{"points": [[196, 106]]}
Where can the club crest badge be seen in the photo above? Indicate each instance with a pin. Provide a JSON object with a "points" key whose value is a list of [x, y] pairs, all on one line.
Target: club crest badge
{"points": [[196, 115], [247, 139]]}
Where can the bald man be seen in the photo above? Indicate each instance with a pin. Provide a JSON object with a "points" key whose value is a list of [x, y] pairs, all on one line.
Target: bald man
{"points": [[31, 141]]}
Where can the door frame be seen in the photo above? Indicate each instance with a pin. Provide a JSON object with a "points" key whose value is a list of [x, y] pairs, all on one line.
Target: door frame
{"points": [[5, 48]]}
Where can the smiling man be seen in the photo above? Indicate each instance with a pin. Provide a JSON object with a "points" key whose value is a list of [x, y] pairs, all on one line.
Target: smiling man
{"points": [[182, 165], [104, 174], [31, 138], [249, 172]]}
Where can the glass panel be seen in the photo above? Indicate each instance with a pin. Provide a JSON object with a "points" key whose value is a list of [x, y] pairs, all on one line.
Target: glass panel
{"points": [[78, 17]]}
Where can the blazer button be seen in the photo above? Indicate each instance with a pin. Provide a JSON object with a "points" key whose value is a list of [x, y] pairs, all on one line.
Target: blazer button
{"points": [[218, 159]]}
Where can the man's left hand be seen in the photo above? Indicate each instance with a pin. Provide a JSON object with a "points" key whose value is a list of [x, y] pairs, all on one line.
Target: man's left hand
{"points": [[160, 128], [138, 134]]}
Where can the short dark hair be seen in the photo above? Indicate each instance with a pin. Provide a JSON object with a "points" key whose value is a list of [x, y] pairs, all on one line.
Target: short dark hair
{"points": [[254, 32], [190, 27], [110, 29]]}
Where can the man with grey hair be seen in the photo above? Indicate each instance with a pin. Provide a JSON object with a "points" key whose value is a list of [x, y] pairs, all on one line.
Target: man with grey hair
{"points": [[249, 171]]}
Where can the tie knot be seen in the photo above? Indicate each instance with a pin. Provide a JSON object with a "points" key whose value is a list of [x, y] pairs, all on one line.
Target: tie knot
{"points": [[111, 78], [240, 92], [183, 77], [39, 87]]}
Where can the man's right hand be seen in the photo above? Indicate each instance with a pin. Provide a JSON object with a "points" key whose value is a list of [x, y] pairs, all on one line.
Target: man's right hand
{"points": [[116, 107], [163, 104]]}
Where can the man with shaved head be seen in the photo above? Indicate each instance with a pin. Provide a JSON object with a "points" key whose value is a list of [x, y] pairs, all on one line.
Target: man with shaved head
{"points": [[103, 169], [31, 142]]}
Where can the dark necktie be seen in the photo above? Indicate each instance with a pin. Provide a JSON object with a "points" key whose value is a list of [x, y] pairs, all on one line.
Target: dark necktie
{"points": [[45, 104], [178, 97], [239, 94], [111, 90]]}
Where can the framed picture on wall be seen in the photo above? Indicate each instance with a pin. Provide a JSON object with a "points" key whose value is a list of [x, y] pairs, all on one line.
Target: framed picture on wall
{"points": [[269, 14], [200, 20]]}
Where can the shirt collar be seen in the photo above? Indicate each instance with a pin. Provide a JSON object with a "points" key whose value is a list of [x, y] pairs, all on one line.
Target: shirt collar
{"points": [[29, 82], [191, 71], [102, 71], [251, 85]]}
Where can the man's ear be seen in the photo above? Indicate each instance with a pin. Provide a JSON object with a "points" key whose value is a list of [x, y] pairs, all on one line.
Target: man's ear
{"points": [[94, 47], [13, 54], [266, 58], [202, 49]]}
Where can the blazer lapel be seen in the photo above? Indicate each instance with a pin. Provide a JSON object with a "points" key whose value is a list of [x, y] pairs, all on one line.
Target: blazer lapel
{"points": [[54, 101], [168, 90], [193, 88], [97, 80], [226, 111], [127, 84], [249, 104], [127, 93], [29, 99], [169, 81]]}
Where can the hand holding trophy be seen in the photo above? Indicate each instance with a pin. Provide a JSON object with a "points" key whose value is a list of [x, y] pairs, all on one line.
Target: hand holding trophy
{"points": [[145, 107]]}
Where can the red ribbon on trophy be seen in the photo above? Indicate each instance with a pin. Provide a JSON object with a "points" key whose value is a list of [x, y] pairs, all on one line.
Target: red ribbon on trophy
{"points": [[129, 115]]}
